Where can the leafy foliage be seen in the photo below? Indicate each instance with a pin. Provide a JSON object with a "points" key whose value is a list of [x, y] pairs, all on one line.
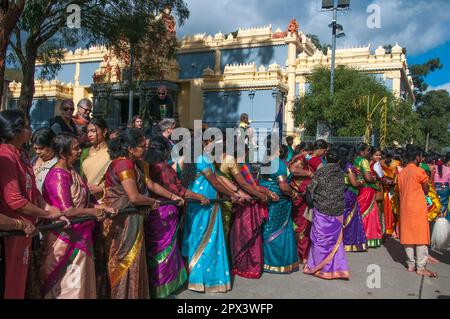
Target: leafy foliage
{"points": [[434, 111], [320, 46], [141, 24], [346, 114]]}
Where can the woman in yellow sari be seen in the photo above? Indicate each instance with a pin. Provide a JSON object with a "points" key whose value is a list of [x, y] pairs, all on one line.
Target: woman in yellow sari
{"points": [[95, 159], [94, 163]]}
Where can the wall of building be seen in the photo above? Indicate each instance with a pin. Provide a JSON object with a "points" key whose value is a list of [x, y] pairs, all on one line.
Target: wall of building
{"points": [[222, 109], [193, 64], [265, 56]]}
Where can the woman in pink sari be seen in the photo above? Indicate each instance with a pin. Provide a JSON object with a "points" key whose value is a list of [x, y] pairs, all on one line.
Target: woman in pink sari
{"points": [[67, 269]]}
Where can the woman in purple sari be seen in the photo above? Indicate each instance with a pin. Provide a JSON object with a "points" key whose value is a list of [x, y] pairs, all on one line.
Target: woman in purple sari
{"points": [[327, 258], [166, 269], [354, 236], [67, 269]]}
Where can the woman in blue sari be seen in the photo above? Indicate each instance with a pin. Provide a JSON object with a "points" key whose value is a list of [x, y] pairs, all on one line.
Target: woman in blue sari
{"points": [[279, 244], [203, 240]]}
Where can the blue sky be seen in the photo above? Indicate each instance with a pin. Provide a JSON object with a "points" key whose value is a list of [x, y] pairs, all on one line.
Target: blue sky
{"points": [[421, 26]]}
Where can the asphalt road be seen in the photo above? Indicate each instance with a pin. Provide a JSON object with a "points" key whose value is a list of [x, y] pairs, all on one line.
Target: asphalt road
{"points": [[393, 282]]}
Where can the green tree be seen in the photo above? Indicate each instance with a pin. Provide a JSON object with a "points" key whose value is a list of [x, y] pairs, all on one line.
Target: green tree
{"points": [[10, 11], [143, 26], [346, 114], [434, 111], [42, 35], [419, 73], [320, 46]]}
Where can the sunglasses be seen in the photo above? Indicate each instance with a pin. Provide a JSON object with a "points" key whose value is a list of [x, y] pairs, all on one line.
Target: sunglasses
{"points": [[68, 109], [160, 93], [85, 109]]}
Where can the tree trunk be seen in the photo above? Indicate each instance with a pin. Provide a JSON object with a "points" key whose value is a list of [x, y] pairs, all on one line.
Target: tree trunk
{"points": [[28, 71], [427, 143], [9, 15]]}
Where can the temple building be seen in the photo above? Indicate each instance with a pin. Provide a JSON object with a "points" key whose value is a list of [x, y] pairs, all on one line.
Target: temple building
{"points": [[215, 78]]}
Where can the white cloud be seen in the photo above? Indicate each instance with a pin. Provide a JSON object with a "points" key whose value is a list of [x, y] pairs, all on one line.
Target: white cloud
{"points": [[445, 86], [418, 25]]}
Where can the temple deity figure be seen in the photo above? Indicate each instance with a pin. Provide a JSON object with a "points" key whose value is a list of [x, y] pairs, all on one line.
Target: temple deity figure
{"points": [[293, 27]]}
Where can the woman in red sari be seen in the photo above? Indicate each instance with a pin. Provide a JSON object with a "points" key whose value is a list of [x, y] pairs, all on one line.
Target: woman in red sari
{"points": [[246, 243], [367, 197], [302, 174], [19, 198]]}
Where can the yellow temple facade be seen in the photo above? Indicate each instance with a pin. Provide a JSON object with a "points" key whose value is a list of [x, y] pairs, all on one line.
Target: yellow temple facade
{"points": [[216, 77]]}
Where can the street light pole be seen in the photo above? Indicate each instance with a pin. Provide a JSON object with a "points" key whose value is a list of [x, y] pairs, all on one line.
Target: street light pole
{"points": [[130, 97], [333, 48]]}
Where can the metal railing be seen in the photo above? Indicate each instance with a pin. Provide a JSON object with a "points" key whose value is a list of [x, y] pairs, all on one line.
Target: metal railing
{"points": [[350, 140]]}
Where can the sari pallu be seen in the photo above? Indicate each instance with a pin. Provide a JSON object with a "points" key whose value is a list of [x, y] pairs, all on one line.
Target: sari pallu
{"points": [[353, 229], [302, 226], [166, 269], [354, 236], [327, 258], [93, 168], [67, 269], [124, 234], [279, 245], [203, 238], [388, 196], [368, 205], [246, 234], [370, 217]]}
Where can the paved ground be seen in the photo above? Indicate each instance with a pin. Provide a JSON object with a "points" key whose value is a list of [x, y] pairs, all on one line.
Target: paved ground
{"points": [[396, 282]]}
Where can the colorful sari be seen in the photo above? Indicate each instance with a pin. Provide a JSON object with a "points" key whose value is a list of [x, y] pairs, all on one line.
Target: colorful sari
{"points": [[354, 235], [246, 234], [441, 185], [67, 270], [93, 168], [166, 268], [368, 206], [17, 189], [279, 246], [127, 267], [327, 258], [389, 207], [302, 226], [203, 238], [227, 168]]}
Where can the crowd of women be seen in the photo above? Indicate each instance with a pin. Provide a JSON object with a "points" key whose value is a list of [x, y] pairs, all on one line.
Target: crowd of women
{"points": [[197, 223]]}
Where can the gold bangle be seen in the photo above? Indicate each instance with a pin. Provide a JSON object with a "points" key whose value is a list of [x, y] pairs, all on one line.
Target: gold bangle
{"points": [[19, 224]]}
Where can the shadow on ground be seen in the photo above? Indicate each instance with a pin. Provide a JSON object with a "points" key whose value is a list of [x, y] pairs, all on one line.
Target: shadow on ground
{"points": [[395, 250]]}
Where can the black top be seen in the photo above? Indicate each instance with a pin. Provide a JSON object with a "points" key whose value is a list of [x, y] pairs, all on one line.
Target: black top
{"points": [[329, 194], [58, 125], [156, 110]]}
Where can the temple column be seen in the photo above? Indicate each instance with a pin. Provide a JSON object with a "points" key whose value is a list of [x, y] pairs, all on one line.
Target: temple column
{"points": [[217, 59], [293, 41], [396, 82]]}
